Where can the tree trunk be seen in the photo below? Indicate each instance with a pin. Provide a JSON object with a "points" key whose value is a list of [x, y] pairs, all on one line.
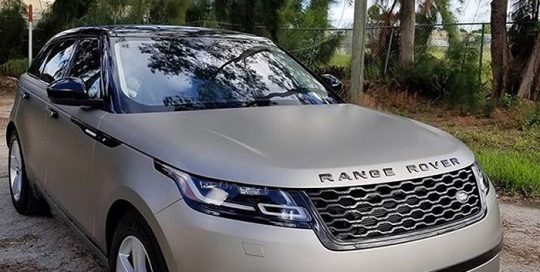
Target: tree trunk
{"points": [[536, 90], [530, 81], [358, 48], [499, 47], [408, 21]]}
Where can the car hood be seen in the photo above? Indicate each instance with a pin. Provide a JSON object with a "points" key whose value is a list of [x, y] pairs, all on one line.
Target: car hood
{"points": [[292, 146]]}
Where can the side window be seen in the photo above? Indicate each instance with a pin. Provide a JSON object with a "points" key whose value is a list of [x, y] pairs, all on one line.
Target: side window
{"points": [[87, 66], [57, 60], [37, 63]]}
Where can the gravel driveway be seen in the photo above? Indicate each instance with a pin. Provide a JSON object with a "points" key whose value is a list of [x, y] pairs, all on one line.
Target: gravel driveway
{"points": [[47, 244]]}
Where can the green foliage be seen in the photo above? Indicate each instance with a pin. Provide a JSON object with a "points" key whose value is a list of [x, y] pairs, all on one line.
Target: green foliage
{"points": [[312, 44], [315, 49], [428, 75], [200, 10], [373, 66], [14, 67], [533, 118], [509, 101], [12, 29], [453, 78], [62, 15], [449, 20], [247, 15], [105, 12], [262, 17], [464, 90], [65, 14], [340, 60], [517, 172], [168, 11], [511, 158]]}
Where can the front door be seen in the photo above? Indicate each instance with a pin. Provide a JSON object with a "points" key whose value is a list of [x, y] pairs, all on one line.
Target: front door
{"points": [[69, 178], [32, 108]]}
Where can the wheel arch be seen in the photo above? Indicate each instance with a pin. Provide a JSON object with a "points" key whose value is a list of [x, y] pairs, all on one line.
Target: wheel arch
{"points": [[115, 213], [122, 206]]}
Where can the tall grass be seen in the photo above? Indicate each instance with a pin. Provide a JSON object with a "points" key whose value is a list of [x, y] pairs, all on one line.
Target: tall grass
{"points": [[514, 171], [511, 158]]}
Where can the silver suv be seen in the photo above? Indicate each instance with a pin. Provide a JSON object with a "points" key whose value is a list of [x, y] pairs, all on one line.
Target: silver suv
{"points": [[190, 149]]}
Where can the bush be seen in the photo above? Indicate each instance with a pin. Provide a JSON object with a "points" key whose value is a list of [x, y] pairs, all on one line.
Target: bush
{"points": [[14, 67], [533, 118], [428, 76], [12, 30], [453, 78], [464, 89]]}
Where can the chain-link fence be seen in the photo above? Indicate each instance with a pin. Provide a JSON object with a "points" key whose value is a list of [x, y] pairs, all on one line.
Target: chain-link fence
{"points": [[330, 50], [382, 47]]}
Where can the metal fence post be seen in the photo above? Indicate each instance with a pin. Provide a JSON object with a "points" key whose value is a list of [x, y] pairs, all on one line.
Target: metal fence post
{"points": [[481, 53], [388, 51]]}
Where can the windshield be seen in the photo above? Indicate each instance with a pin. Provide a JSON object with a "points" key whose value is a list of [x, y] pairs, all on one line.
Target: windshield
{"points": [[165, 74]]}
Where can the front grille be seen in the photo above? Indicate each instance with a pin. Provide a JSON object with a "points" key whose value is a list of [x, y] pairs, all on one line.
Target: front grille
{"points": [[397, 209]]}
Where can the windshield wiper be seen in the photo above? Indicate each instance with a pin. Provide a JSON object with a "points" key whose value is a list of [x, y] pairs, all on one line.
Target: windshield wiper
{"points": [[267, 99], [248, 53]]}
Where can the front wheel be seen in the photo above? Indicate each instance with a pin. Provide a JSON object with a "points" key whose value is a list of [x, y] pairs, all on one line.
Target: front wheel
{"points": [[134, 247], [24, 200]]}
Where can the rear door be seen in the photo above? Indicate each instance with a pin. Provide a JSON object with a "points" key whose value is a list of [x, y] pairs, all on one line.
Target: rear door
{"points": [[70, 144], [32, 114]]}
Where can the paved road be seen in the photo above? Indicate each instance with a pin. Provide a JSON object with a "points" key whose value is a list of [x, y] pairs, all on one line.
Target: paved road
{"points": [[47, 244]]}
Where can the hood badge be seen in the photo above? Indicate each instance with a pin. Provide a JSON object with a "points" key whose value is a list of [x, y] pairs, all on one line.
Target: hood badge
{"points": [[462, 196], [387, 172]]}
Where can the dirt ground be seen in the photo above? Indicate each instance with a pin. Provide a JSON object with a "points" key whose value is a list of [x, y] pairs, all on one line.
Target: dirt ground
{"points": [[48, 244]]}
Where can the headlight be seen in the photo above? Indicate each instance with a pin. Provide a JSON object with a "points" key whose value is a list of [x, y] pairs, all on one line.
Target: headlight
{"points": [[481, 178], [237, 201]]}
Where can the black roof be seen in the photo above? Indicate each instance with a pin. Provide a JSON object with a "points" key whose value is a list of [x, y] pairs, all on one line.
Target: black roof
{"points": [[157, 30]]}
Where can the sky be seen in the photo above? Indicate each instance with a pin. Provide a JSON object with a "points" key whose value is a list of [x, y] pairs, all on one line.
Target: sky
{"points": [[471, 11]]}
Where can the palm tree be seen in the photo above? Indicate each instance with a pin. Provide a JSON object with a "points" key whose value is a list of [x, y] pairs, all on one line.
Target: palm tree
{"points": [[516, 53], [389, 12]]}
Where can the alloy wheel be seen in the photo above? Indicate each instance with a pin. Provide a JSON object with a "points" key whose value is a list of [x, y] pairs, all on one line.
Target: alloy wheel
{"points": [[132, 256], [15, 170]]}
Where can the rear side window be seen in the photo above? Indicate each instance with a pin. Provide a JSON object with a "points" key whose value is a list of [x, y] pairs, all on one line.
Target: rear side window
{"points": [[57, 60], [86, 65]]}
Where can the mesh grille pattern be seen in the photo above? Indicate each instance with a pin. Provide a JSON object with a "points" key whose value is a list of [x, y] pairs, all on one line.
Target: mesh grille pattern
{"points": [[399, 208]]}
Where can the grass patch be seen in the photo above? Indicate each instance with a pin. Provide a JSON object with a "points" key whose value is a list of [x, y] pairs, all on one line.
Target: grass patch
{"points": [[511, 158], [515, 172], [340, 60]]}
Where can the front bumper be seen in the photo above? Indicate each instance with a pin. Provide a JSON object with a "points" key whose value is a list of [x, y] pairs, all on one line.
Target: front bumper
{"points": [[192, 241]]}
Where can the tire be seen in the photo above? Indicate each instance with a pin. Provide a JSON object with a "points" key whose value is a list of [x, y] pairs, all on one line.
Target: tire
{"points": [[133, 229], [25, 201]]}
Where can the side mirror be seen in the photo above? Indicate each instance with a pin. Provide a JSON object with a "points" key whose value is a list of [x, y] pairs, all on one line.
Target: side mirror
{"points": [[332, 81], [71, 92]]}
